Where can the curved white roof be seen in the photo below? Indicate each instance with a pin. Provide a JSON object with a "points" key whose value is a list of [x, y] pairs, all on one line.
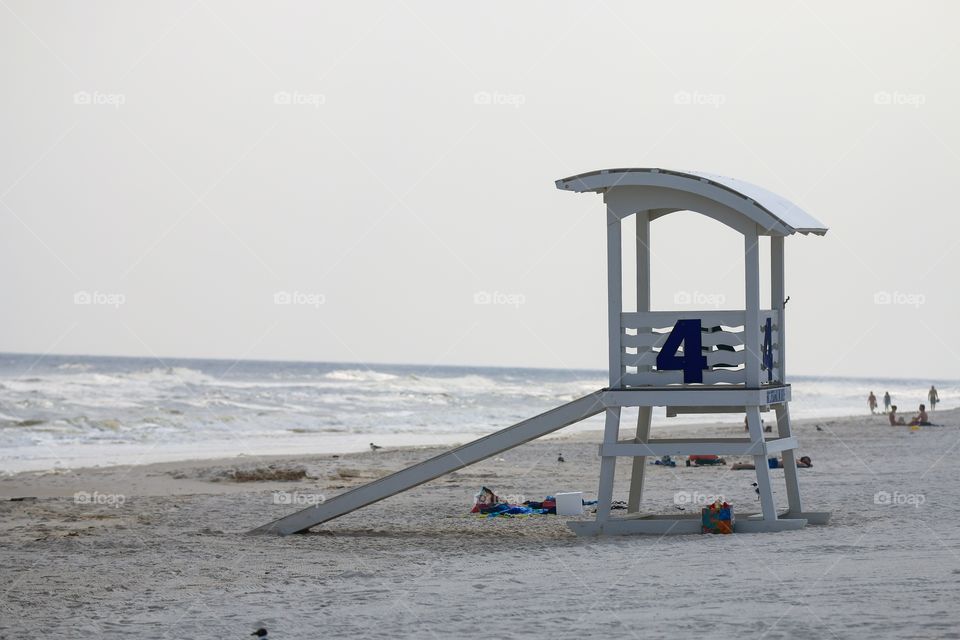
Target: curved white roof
{"points": [[765, 207]]}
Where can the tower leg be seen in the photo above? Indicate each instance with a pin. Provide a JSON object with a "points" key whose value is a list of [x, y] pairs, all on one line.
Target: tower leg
{"points": [[760, 461], [789, 460], [608, 465], [639, 463]]}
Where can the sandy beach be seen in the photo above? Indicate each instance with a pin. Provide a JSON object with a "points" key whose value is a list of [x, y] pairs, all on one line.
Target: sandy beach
{"points": [[161, 551], [258, 257]]}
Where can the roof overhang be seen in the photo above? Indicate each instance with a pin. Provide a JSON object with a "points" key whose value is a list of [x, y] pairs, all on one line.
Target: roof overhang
{"points": [[772, 212]]}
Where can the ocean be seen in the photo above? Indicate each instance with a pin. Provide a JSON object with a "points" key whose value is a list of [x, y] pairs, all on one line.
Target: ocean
{"points": [[79, 411]]}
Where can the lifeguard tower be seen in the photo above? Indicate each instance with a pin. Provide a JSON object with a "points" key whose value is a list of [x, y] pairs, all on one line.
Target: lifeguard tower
{"points": [[695, 361], [688, 362]]}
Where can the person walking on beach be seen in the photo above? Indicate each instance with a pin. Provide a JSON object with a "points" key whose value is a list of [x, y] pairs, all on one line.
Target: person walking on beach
{"points": [[886, 402], [933, 397], [872, 401]]}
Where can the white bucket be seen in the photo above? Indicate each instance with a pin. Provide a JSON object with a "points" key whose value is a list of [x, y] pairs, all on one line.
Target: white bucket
{"points": [[569, 504]]}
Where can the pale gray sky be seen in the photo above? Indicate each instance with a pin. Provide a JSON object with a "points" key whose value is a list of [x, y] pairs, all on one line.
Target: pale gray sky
{"points": [[197, 158]]}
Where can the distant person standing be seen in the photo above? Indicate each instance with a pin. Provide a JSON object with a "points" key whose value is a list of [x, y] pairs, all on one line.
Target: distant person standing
{"points": [[872, 401], [933, 397], [886, 402]]}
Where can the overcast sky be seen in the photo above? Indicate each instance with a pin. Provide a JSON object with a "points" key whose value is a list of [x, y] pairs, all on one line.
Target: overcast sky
{"points": [[183, 166]]}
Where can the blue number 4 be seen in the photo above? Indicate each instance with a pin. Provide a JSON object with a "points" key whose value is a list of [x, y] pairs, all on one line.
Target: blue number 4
{"points": [[692, 362]]}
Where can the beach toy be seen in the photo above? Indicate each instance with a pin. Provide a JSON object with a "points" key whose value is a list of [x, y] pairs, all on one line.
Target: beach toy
{"points": [[716, 518], [700, 359]]}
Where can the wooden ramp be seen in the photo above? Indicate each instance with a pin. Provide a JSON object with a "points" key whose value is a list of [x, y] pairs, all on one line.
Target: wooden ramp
{"points": [[475, 451]]}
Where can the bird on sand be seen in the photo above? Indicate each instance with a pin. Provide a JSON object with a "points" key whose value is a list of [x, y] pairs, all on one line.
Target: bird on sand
{"points": [[260, 633], [756, 489], [819, 428], [560, 458], [374, 447]]}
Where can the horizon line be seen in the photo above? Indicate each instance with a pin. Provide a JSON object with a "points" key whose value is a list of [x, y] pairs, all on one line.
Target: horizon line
{"points": [[601, 372]]}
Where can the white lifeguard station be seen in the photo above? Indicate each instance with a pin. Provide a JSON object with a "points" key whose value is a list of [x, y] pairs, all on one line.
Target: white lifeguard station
{"points": [[695, 361], [689, 362]]}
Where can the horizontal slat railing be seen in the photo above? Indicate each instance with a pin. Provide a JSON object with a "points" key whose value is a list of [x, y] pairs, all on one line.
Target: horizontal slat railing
{"points": [[708, 339], [643, 339], [714, 359], [666, 319], [643, 335], [661, 378]]}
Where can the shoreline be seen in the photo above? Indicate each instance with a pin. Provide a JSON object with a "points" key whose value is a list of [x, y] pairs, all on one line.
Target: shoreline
{"points": [[51, 482], [440, 442], [77, 413]]}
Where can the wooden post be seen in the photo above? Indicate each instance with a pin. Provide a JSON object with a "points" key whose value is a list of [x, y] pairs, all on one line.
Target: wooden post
{"points": [[790, 474], [751, 340], [751, 328], [614, 296], [777, 297], [767, 504], [611, 431], [645, 415], [608, 465]]}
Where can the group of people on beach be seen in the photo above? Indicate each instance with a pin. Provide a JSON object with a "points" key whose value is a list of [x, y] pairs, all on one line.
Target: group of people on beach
{"points": [[921, 419]]}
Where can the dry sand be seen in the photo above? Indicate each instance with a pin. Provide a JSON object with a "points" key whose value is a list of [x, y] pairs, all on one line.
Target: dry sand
{"points": [[173, 561]]}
